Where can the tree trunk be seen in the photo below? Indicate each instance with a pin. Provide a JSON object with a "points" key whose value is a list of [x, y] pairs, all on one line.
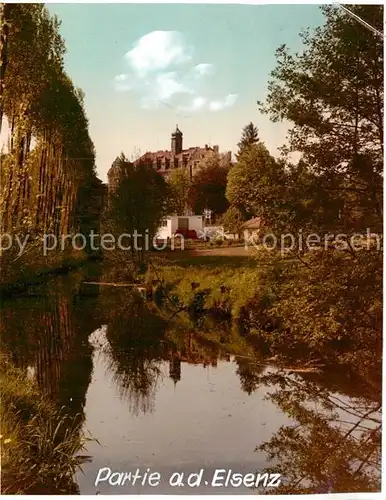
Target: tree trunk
{"points": [[5, 13]]}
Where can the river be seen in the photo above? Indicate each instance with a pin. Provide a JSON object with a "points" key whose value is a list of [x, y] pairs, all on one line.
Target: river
{"points": [[161, 395]]}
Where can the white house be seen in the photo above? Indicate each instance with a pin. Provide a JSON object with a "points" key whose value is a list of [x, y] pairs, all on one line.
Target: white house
{"points": [[183, 223]]}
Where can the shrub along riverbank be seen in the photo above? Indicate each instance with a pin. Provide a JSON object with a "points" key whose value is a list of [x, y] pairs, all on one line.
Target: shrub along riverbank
{"points": [[18, 274], [39, 444]]}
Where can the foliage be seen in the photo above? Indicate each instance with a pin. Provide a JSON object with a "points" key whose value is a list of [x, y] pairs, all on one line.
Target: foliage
{"points": [[334, 444], [207, 190], [328, 310], [20, 272], [232, 220], [137, 206], [327, 303], [255, 181], [333, 94], [179, 183], [48, 180], [39, 444], [249, 137], [240, 285], [5, 13]]}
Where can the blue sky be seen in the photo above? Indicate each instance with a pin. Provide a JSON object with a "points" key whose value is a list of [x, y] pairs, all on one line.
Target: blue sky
{"points": [[144, 68]]}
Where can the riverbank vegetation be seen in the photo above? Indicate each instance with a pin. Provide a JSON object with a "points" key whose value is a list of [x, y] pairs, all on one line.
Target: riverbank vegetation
{"points": [[48, 186], [47, 178], [288, 310], [39, 443]]}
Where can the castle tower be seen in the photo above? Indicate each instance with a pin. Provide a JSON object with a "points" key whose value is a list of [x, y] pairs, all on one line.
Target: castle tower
{"points": [[176, 141]]}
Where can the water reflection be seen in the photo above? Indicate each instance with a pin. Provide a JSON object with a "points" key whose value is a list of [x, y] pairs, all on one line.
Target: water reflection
{"points": [[334, 446], [206, 391], [249, 373], [132, 366], [46, 334]]}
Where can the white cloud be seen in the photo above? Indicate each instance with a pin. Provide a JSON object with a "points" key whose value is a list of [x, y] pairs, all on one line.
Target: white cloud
{"points": [[200, 103], [167, 84], [203, 69], [158, 50], [229, 101], [196, 104], [160, 71]]}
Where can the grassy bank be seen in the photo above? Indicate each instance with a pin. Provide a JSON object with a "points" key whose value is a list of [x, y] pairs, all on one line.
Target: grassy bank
{"points": [[291, 309], [38, 443], [19, 273]]}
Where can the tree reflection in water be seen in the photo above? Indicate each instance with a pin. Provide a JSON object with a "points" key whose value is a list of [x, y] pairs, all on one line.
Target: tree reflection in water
{"points": [[134, 372], [137, 341], [335, 444], [249, 373], [132, 348], [45, 334]]}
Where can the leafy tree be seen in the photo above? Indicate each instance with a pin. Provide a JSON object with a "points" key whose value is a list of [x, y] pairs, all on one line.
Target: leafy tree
{"points": [[137, 204], [328, 301], [333, 94], [179, 183], [208, 187], [232, 219], [41, 186], [254, 183], [249, 137]]}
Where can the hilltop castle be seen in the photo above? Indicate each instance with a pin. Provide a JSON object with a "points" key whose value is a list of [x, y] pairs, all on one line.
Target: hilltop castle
{"points": [[178, 157], [165, 162]]}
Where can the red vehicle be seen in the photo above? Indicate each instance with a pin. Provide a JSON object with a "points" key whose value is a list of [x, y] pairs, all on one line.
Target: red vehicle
{"points": [[190, 234]]}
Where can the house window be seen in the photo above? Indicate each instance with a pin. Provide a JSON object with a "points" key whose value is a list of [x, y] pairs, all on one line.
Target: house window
{"points": [[185, 161], [158, 163], [167, 163], [175, 162]]}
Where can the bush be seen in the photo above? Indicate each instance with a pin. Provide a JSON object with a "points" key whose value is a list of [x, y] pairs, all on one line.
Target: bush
{"points": [[39, 443]]}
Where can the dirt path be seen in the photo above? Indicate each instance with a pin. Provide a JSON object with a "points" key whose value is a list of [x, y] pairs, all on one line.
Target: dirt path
{"points": [[229, 251], [234, 256]]}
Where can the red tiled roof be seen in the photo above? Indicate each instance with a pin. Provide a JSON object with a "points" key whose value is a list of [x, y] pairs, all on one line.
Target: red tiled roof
{"points": [[169, 154], [254, 223]]}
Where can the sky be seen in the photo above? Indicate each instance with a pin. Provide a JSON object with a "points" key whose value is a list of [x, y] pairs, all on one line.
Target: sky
{"points": [[146, 67]]}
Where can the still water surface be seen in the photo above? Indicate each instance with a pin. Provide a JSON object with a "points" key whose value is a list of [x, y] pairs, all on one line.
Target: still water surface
{"points": [[166, 396]]}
